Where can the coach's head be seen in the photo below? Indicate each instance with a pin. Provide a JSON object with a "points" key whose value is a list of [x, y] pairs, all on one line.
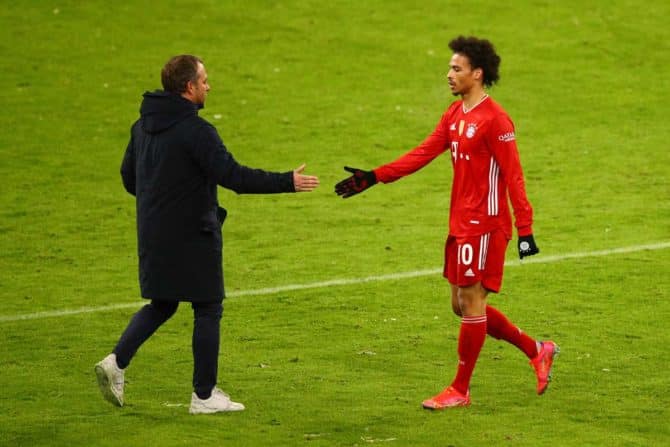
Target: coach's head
{"points": [[185, 75]]}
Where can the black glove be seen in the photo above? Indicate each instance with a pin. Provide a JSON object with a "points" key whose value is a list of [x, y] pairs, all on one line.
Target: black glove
{"points": [[358, 182], [527, 246]]}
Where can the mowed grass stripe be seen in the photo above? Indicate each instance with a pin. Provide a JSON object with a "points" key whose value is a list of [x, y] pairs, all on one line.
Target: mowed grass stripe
{"points": [[343, 282]]}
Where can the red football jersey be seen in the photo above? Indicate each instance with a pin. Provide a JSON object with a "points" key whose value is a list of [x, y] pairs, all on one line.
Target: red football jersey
{"points": [[486, 165]]}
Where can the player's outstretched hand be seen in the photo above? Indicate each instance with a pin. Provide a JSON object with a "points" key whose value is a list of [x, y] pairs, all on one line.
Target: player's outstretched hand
{"points": [[527, 246], [302, 182], [358, 182]]}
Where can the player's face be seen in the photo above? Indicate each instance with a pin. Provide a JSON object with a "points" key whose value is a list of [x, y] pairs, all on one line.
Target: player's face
{"points": [[461, 76], [200, 86]]}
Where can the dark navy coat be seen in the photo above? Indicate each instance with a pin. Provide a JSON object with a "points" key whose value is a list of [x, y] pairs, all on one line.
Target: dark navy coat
{"points": [[173, 164]]}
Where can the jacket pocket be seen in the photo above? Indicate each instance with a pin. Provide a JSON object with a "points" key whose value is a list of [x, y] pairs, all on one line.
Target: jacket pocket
{"points": [[209, 222]]}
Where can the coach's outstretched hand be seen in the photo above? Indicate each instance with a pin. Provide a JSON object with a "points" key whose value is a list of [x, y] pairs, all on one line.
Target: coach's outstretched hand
{"points": [[358, 182], [302, 182], [527, 246]]}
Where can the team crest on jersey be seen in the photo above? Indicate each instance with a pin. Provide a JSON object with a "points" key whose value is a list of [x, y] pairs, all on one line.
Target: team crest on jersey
{"points": [[470, 132]]}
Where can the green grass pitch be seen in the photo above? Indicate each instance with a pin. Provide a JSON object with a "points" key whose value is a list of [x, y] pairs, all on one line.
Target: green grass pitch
{"points": [[329, 84]]}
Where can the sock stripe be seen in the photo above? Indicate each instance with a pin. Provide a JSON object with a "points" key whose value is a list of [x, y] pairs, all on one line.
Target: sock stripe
{"points": [[474, 320]]}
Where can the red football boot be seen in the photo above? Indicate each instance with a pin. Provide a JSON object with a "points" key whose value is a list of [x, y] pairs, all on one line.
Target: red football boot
{"points": [[542, 364], [448, 398]]}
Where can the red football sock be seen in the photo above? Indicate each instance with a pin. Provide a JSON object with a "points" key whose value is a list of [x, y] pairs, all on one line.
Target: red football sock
{"points": [[498, 326], [470, 342]]}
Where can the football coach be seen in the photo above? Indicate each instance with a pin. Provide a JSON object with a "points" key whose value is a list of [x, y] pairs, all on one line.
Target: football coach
{"points": [[173, 164]]}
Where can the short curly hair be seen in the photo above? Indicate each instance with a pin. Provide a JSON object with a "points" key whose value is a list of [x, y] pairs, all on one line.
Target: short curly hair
{"points": [[178, 71], [481, 54]]}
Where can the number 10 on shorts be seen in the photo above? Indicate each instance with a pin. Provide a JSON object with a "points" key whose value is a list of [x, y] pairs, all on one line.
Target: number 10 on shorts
{"points": [[465, 254]]}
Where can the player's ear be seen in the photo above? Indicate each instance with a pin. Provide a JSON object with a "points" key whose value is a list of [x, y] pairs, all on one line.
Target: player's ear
{"points": [[479, 74]]}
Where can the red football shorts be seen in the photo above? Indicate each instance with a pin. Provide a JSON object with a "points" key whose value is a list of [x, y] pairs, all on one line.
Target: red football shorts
{"points": [[473, 259]]}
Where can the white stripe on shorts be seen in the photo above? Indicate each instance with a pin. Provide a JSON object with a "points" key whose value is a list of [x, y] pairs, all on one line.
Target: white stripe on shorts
{"points": [[483, 250]]}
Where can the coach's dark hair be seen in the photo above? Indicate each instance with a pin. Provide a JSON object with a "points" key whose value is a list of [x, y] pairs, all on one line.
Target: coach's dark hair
{"points": [[178, 71], [482, 55]]}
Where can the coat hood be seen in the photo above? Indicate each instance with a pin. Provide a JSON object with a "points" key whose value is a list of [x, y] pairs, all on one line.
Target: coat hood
{"points": [[161, 110]]}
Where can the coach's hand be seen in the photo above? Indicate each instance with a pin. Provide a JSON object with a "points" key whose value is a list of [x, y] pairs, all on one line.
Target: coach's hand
{"points": [[527, 246], [358, 182], [302, 182]]}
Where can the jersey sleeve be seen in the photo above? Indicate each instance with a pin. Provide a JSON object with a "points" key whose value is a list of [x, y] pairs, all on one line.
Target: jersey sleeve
{"points": [[502, 142], [434, 144]]}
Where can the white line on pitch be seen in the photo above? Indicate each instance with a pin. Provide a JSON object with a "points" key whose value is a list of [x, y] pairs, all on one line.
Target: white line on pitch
{"points": [[343, 282]]}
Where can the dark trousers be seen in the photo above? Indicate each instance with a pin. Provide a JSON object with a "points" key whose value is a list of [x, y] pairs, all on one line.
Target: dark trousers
{"points": [[205, 341]]}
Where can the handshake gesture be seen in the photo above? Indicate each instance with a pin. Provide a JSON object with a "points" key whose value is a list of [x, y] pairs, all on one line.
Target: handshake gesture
{"points": [[358, 182]]}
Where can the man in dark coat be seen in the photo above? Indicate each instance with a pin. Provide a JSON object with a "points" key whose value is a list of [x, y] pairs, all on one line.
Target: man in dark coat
{"points": [[172, 165]]}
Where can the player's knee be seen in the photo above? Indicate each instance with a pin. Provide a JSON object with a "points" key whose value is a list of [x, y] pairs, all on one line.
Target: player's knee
{"points": [[465, 298], [471, 300]]}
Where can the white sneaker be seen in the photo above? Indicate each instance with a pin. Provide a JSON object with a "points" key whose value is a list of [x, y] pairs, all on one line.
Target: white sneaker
{"points": [[110, 379], [217, 402]]}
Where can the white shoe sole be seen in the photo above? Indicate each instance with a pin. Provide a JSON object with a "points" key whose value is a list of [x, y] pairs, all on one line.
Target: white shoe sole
{"points": [[106, 387], [213, 411]]}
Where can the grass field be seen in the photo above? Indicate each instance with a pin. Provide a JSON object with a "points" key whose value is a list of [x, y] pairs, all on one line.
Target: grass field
{"points": [[329, 84]]}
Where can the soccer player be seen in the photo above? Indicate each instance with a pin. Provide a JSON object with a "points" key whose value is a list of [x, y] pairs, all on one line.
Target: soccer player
{"points": [[480, 137]]}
